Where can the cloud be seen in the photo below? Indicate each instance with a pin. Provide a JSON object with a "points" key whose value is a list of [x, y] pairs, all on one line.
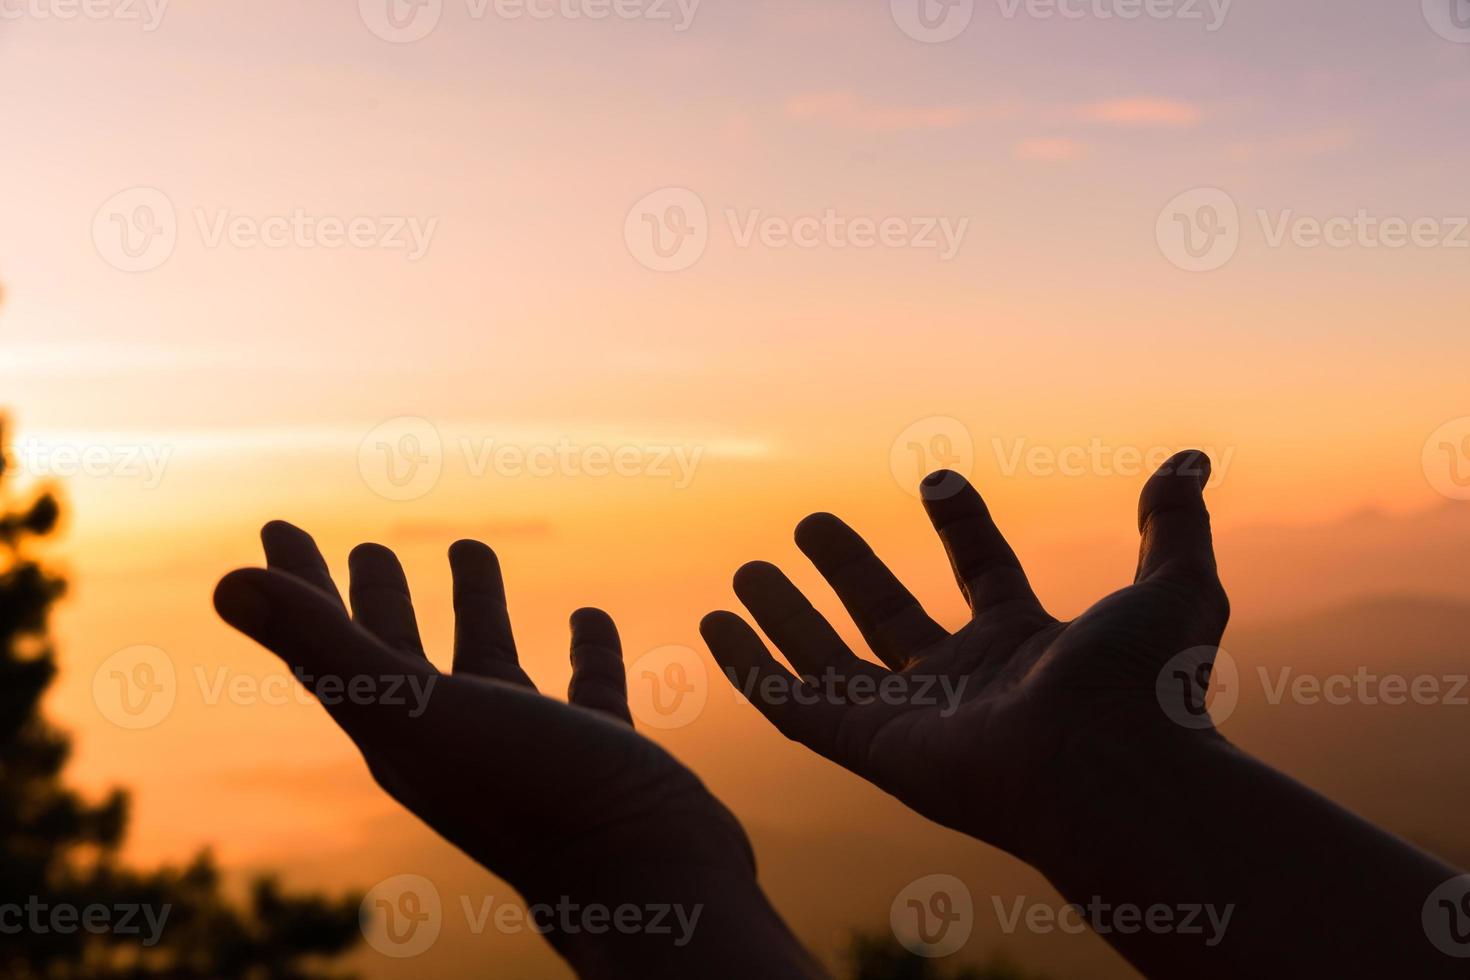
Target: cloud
{"points": [[1144, 111], [1050, 149]]}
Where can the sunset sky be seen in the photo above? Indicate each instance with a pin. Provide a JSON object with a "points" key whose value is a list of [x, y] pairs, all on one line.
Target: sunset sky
{"points": [[259, 381]]}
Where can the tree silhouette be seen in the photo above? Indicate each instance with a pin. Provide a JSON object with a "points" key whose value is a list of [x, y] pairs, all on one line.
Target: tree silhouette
{"points": [[68, 907]]}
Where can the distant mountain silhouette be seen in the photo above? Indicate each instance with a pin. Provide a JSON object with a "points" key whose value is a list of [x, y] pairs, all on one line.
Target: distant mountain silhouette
{"points": [[1400, 765], [1276, 572]]}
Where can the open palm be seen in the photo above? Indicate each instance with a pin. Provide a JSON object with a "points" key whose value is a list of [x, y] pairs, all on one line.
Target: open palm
{"points": [[558, 799], [992, 728]]}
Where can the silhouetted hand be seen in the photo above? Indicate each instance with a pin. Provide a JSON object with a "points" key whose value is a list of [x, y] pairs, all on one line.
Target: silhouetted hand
{"points": [[978, 728], [1083, 748], [564, 801]]}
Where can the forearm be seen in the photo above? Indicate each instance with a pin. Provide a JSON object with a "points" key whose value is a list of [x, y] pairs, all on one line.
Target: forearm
{"points": [[705, 925], [1274, 879]]}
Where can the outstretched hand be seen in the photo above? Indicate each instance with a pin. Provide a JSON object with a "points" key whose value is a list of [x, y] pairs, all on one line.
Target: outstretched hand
{"points": [[993, 728], [564, 801], [1084, 747]]}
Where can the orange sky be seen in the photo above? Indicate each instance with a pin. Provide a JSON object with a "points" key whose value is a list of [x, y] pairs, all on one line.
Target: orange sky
{"points": [[227, 380]]}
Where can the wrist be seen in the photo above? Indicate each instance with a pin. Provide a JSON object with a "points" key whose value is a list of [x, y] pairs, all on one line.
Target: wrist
{"points": [[677, 900], [655, 923], [1114, 788]]}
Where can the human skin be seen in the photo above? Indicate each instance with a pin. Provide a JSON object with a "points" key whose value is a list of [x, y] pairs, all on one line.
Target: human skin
{"points": [[565, 801], [1065, 744]]}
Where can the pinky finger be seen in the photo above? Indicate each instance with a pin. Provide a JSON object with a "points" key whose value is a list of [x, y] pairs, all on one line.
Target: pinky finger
{"points": [[797, 709], [598, 681]]}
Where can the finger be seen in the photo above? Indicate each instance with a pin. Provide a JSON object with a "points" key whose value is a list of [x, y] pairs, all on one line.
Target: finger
{"points": [[794, 625], [483, 643], [335, 658], [378, 590], [887, 614], [291, 550], [797, 710], [984, 564], [598, 680], [1174, 523]]}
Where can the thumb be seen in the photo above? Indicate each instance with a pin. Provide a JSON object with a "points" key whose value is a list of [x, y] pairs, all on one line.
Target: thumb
{"points": [[349, 671]]}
